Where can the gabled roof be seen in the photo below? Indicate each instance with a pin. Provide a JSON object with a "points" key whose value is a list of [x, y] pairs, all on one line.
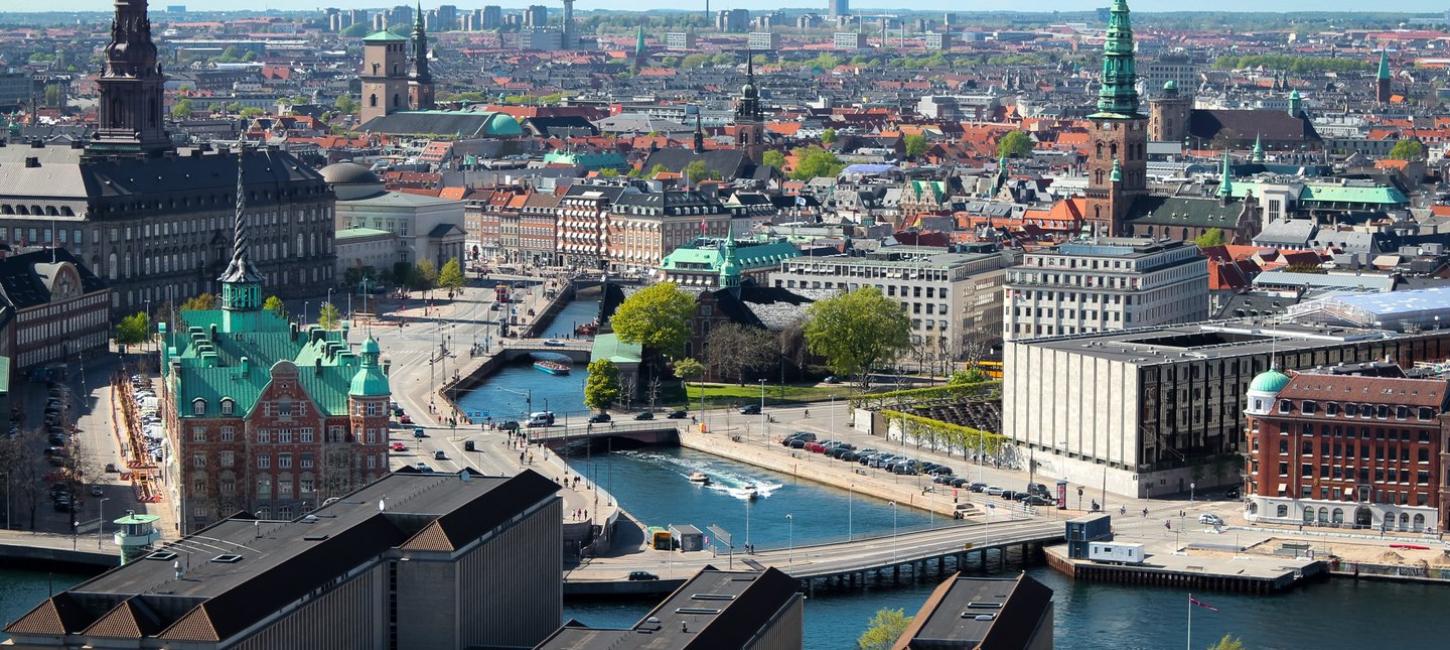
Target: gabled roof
{"points": [[1246, 125], [1193, 212]]}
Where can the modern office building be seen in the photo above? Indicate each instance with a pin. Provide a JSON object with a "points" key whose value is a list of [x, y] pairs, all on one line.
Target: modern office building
{"points": [[1176, 67], [741, 610], [1105, 284], [154, 222], [1152, 411], [838, 8], [977, 613], [939, 41], [849, 41], [762, 41], [412, 560], [1331, 448], [536, 16], [732, 20], [680, 41], [952, 299]]}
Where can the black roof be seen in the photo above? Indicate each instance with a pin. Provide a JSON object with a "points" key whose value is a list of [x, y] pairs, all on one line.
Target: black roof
{"points": [[561, 126], [1187, 211], [729, 164], [26, 279], [1246, 125]]}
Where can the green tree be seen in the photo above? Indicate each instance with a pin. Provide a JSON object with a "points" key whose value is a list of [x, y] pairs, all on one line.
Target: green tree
{"points": [[1210, 238], [1407, 149], [1015, 144], [773, 158], [857, 330], [657, 170], [883, 630], [827, 137], [201, 302], [356, 30], [812, 162], [251, 112], [451, 277], [608, 172], [915, 145], [601, 389], [969, 376], [275, 305], [698, 170], [346, 104], [656, 317], [233, 107], [133, 329], [329, 318], [686, 369], [1228, 642], [181, 110], [425, 275]]}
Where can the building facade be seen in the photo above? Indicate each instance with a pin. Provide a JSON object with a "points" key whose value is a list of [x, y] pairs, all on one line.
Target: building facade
{"points": [[425, 227], [538, 229], [52, 310], [1344, 450], [646, 226], [1105, 284], [954, 300], [390, 83], [583, 225]]}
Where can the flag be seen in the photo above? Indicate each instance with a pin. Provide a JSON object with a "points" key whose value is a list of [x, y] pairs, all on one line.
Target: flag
{"points": [[1199, 603], [702, 226]]}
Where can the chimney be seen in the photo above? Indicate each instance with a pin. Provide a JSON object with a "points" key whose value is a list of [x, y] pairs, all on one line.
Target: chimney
{"points": [[32, 162], [292, 331], [387, 366], [317, 367]]}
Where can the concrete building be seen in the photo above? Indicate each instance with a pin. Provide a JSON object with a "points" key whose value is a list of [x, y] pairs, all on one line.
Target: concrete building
{"points": [[970, 613], [1176, 67], [1105, 284], [1149, 412], [52, 310], [838, 8], [713, 609], [540, 38], [366, 250], [1328, 448], [583, 225], [536, 16], [762, 41], [939, 41], [426, 227], [492, 16], [849, 41], [680, 41], [953, 299], [732, 21], [17, 89], [417, 560]]}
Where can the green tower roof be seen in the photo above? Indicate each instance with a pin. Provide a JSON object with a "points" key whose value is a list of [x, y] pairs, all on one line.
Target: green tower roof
{"points": [[1117, 175], [369, 380], [1270, 381], [1384, 71], [1226, 179], [1118, 98]]}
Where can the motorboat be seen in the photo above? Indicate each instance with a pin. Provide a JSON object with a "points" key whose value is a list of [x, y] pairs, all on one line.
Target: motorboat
{"points": [[699, 478], [749, 492], [552, 367]]}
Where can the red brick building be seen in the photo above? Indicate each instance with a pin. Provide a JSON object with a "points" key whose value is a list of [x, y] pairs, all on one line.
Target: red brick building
{"points": [[1346, 450]]}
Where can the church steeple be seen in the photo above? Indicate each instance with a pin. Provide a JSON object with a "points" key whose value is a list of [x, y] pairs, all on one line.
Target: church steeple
{"points": [[241, 282], [749, 107], [1118, 95], [640, 52], [1226, 179], [420, 48], [730, 266], [131, 85], [699, 135], [1258, 149]]}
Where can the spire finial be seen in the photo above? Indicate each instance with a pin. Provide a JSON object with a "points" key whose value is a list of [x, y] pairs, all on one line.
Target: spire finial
{"points": [[1225, 184]]}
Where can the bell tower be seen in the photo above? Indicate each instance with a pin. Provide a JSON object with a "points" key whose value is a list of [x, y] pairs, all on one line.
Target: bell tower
{"points": [[749, 119], [1119, 132], [420, 84], [384, 75], [131, 86]]}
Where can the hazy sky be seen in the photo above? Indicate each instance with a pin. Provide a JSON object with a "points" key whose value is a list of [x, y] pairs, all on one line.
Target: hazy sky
{"points": [[924, 5]]}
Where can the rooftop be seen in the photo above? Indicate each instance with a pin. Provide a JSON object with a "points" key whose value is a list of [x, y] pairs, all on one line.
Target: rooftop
{"points": [[1200, 341], [975, 612]]}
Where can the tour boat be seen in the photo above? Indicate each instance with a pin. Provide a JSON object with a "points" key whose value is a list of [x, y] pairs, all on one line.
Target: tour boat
{"points": [[700, 478], [552, 367], [749, 492]]}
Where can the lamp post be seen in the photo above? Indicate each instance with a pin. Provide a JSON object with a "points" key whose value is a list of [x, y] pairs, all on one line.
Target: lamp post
{"points": [[101, 520], [747, 525], [763, 436], [789, 539], [850, 507], [893, 532], [528, 394]]}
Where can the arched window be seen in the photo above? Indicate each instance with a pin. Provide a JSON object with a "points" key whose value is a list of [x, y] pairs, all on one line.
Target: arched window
{"points": [[1419, 522], [373, 100], [1282, 511], [198, 406], [1337, 516], [1404, 520], [1309, 515], [1323, 515], [1113, 149], [1100, 150], [300, 251], [111, 267], [1253, 507], [228, 406]]}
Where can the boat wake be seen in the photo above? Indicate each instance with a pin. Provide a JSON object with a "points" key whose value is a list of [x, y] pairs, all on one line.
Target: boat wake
{"points": [[723, 479]]}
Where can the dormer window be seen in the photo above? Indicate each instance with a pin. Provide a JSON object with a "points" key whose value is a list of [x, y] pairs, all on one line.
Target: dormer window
{"points": [[1351, 410], [1286, 406], [1427, 413], [1331, 408], [198, 406], [1310, 407], [228, 406]]}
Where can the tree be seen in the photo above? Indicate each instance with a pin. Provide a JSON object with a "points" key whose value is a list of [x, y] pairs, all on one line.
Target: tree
{"points": [[1407, 150], [915, 145], [733, 350], [357, 30], [328, 317], [181, 110], [601, 389], [1210, 238], [657, 170], [698, 170], [425, 275], [275, 305], [883, 630], [451, 277], [1015, 144], [133, 329], [250, 112], [773, 158], [812, 162], [827, 137], [686, 369], [656, 317], [855, 331], [1228, 642], [201, 302], [346, 104]]}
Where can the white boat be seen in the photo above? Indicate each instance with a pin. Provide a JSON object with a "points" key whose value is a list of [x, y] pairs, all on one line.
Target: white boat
{"points": [[749, 492], [700, 478]]}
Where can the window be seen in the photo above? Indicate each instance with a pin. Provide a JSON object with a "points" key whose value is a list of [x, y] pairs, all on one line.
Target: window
{"points": [[198, 434], [264, 489], [304, 435], [226, 458], [1281, 511], [373, 408], [306, 461], [228, 406], [305, 486], [229, 434], [198, 460], [198, 406], [263, 436], [264, 461], [284, 461], [284, 436]]}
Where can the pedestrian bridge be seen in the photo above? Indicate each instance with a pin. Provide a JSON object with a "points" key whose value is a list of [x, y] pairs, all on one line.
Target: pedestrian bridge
{"points": [[646, 432], [577, 350]]}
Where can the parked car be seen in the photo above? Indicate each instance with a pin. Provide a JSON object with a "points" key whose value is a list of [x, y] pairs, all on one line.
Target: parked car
{"points": [[848, 456], [398, 446], [1038, 500], [598, 418], [750, 409], [419, 433], [678, 414], [646, 415], [959, 482], [992, 491], [439, 455], [804, 435], [405, 419], [833, 380], [1039, 489], [1210, 519], [797, 443], [636, 576]]}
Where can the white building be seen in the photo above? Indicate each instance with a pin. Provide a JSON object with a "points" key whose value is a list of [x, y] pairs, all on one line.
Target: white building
{"points": [[1105, 284], [763, 41], [848, 40], [953, 299], [680, 41], [362, 248], [426, 227]]}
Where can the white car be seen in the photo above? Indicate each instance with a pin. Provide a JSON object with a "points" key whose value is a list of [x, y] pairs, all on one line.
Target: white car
{"points": [[1210, 519]]}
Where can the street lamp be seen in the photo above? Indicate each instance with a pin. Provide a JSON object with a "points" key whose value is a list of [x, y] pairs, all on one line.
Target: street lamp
{"points": [[893, 532], [850, 507], [763, 436], [789, 539], [101, 520]]}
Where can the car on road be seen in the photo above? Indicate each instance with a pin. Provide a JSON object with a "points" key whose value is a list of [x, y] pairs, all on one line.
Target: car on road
{"points": [[976, 486], [554, 343], [750, 409], [678, 414], [419, 433], [508, 425], [405, 419], [1038, 500], [439, 455], [646, 415], [993, 491], [1210, 519], [959, 482], [398, 446], [636, 576], [598, 418], [422, 467], [832, 380]]}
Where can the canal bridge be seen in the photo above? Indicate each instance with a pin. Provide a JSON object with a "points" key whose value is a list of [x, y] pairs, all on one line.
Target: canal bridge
{"points": [[837, 564], [577, 350], [645, 432]]}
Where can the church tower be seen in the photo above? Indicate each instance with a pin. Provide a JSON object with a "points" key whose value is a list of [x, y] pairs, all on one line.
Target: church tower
{"points": [[1169, 113], [1119, 132], [1382, 79], [241, 281], [131, 86], [749, 119], [384, 76], [420, 85]]}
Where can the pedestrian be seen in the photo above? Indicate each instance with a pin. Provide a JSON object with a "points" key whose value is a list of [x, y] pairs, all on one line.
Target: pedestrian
{"points": [[1145, 513]]}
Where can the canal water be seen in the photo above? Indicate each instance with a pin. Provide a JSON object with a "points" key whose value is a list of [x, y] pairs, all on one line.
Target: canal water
{"points": [[651, 484]]}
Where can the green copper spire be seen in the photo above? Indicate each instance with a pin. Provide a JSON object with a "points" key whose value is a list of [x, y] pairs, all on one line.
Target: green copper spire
{"points": [[1258, 149], [639, 43], [420, 48], [1117, 175], [1384, 71], [369, 380], [1226, 183], [729, 265], [1118, 97], [1295, 103]]}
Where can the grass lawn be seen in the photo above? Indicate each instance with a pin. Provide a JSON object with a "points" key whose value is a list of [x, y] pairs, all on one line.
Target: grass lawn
{"points": [[774, 393]]}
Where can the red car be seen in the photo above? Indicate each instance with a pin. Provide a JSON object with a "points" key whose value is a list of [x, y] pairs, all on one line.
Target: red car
{"points": [[815, 447], [398, 446], [406, 419]]}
